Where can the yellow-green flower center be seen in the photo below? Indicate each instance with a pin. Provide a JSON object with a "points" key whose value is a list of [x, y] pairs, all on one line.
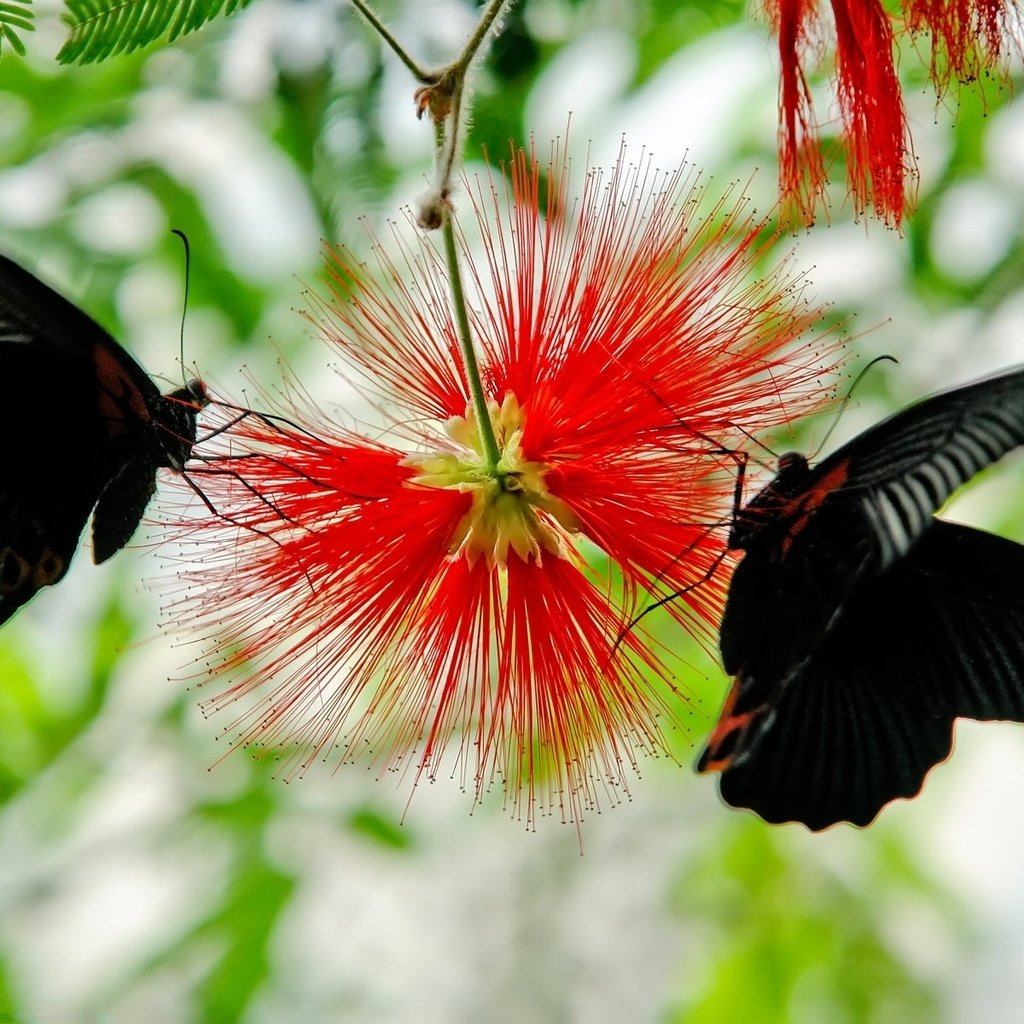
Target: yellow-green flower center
{"points": [[512, 507]]}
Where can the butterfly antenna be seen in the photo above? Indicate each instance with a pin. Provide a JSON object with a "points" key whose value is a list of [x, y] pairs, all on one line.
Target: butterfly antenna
{"points": [[849, 394], [184, 301]]}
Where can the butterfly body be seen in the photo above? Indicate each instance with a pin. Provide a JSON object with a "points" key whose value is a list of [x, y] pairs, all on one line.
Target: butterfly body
{"points": [[859, 626], [84, 431]]}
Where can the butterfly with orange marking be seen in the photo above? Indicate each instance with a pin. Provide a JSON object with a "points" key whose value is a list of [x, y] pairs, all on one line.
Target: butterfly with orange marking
{"points": [[859, 626], [84, 431]]}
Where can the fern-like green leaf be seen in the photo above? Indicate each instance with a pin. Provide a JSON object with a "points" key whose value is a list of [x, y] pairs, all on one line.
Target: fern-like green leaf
{"points": [[101, 28], [15, 17]]}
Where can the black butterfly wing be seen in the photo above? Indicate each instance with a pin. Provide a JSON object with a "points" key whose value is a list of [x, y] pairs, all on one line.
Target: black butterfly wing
{"points": [[840, 747], [903, 469], [78, 415], [938, 636], [962, 631], [52, 465]]}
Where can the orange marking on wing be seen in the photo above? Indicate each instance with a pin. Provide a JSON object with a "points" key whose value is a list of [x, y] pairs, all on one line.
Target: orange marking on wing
{"points": [[116, 391], [801, 508], [726, 726]]}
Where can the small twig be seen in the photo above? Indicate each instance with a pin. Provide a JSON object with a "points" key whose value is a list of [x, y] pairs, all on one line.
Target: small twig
{"points": [[426, 77]]}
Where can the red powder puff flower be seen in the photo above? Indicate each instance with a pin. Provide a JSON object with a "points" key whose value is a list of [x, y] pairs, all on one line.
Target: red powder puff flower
{"points": [[968, 37], [404, 595]]}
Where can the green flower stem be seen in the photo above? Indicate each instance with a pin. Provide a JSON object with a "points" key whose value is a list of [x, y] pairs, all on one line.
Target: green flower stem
{"points": [[472, 367], [426, 77], [449, 144], [446, 156], [452, 80]]}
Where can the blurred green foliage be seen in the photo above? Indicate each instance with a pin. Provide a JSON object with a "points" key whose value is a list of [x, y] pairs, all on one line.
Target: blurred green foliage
{"points": [[823, 956]]}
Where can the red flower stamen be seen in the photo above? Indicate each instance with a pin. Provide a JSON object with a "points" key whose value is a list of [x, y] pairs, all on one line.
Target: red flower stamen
{"points": [[391, 601], [801, 169], [969, 37], [876, 139]]}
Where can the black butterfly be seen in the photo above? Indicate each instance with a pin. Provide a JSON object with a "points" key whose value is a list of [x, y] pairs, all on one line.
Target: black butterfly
{"points": [[858, 626], [83, 430]]}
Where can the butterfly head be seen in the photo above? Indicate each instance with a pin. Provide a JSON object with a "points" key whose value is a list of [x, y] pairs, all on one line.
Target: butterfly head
{"points": [[790, 475], [177, 422], [764, 508], [194, 391]]}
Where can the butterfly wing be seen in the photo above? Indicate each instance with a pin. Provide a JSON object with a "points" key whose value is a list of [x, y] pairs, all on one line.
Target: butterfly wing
{"points": [[962, 630], [121, 506], [904, 469], [77, 411], [940, 635]]}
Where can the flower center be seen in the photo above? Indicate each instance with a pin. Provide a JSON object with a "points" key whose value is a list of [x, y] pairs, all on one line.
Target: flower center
{"points": [[512, 507]]}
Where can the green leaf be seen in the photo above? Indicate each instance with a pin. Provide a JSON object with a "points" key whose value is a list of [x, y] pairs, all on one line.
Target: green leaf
{"points": [[15, 16], [102, 28]]}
